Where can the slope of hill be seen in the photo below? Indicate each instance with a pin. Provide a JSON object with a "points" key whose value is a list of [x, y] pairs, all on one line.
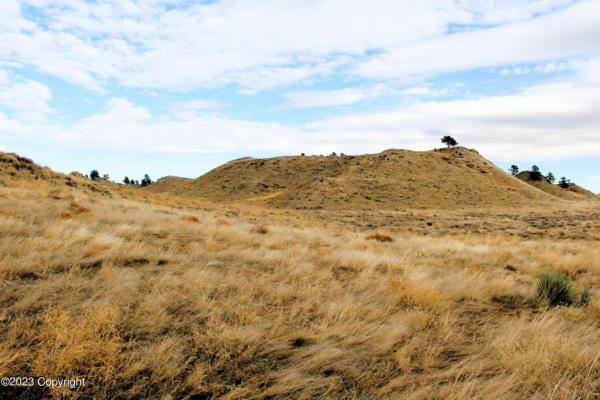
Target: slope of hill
{"points": [[16, 169], [166, 184], [573, 192], [581, 191], [393, 179]]}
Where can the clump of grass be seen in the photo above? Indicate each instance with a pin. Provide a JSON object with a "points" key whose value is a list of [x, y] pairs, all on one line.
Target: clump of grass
{"points": [[555, 290], [416, 294], [586, 297], [190, 218], [380, 237], [262, 230], [222, 222], [74, 209]]}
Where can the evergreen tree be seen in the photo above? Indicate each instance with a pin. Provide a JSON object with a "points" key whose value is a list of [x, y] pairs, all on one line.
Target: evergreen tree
{"points": [[449, 141], [536, 175], [146, 181], [564, 182], [514, 170]]}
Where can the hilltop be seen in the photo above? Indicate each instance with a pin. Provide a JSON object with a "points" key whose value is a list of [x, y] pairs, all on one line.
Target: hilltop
{"points": [[393, 179], [17, 169]]}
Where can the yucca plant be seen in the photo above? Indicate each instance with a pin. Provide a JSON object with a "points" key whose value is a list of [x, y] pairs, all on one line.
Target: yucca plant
{"points": [[555, 290]]}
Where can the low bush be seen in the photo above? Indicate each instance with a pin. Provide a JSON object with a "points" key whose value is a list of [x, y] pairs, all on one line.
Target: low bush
{"points": [[556, 289]]}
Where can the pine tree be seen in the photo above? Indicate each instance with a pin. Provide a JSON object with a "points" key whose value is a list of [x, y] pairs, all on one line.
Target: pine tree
{"points": [[449, 141]]}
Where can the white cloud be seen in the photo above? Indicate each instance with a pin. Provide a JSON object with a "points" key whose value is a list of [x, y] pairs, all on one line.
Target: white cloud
{"points": [[320, 98], [573, 31], [258, 44], [427, 91], [188, 109], [12, 127], [549, 121], [29, 99]]}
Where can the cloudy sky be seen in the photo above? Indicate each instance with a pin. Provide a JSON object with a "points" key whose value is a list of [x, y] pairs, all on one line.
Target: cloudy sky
{"points": [[179, 87]]}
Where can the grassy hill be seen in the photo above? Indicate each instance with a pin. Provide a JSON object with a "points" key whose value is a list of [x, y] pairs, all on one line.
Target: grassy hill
{"points": [[393, 179], [573, 192], [18, 170], [166, 184]]}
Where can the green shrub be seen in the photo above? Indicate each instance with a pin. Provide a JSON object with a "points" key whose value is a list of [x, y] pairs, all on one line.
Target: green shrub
{"points": [[556, 289]]}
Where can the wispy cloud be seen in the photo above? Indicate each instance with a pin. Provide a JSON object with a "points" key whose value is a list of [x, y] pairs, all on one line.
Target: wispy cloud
{"points": [[27, 98], [547, 121], [190, 108], [571, 31], [258, 45], [320, 98]]}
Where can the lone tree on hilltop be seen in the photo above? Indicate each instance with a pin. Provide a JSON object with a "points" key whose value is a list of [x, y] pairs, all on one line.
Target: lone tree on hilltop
{"points": [[564, 183], [536, 175], [449, 141], [94, 175], [550, 177], [514, 170]]}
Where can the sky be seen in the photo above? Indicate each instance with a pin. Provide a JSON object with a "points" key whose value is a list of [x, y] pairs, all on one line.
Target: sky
{"points": [[179, 87]]}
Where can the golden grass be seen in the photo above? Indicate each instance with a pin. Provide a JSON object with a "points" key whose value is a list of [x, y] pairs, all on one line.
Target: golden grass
{"points": [[144, 304], [380, 237]]}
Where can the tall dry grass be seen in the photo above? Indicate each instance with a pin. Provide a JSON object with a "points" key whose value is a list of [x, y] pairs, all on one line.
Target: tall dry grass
{"points": [[151, 301]]}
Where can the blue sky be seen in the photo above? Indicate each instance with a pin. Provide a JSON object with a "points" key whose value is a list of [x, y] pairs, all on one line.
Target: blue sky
{"points": [[180, 87]]}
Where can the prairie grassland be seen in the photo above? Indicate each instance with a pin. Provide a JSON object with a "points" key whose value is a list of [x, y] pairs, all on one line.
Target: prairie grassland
{"points": [[160, 302]]}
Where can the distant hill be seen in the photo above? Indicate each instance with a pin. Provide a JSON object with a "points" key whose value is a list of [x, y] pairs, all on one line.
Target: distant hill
{"points": [[166, 184], [391, 180], [15, 169], [573, 192], [394, 179]]}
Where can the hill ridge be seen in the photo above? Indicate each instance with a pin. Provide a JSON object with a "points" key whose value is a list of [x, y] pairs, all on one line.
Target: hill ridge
{"points": [[391, 179]]}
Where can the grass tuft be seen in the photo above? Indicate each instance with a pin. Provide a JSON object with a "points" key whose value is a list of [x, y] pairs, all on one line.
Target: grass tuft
{"points": [[380, 237], [261, 230], [555, 290], [190, 218]]}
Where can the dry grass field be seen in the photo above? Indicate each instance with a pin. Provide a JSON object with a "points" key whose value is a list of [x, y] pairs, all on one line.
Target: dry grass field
{"points": [[149, 296]]}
